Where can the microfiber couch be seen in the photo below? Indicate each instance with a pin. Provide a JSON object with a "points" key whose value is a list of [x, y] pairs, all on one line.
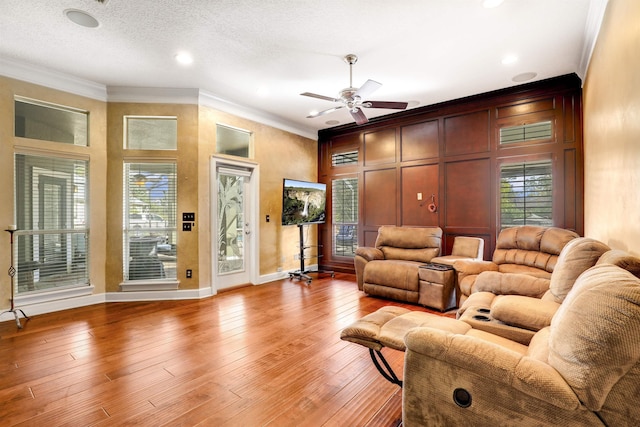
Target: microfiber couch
{"points": [[527, 249], [390, 269], [582, 370]]}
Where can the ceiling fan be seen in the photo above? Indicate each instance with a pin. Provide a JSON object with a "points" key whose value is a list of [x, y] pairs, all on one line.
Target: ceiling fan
{"points": [[352, 98]]}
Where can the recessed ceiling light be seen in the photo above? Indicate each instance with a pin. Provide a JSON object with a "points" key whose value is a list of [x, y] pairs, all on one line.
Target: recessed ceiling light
{"points": [[509, 60], [491, 3], [412, 104], [184, 58], [81, 18], [332, 122], [524, 77]]}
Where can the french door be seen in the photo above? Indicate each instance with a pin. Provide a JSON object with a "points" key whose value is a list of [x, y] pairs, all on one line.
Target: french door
{"points": [[234, 226]]}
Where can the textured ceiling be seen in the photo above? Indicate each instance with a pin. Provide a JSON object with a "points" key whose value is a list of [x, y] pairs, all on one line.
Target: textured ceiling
{"points": [[260, 55]]}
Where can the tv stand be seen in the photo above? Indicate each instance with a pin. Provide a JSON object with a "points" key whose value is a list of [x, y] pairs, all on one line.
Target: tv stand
{"points": [[303, 273]]}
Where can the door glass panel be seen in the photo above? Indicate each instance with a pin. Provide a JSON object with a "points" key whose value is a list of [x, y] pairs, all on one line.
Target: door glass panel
{"points": [[230, 223]]}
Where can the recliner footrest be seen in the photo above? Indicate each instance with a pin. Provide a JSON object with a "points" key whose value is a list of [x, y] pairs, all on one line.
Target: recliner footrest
{"points": [[387, 327]]}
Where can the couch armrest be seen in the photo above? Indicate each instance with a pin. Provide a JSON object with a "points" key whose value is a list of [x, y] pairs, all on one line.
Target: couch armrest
{"points": [[501, 369], [368, 253], [466, 267], [363, 255], [511, 284], [523, 312]]}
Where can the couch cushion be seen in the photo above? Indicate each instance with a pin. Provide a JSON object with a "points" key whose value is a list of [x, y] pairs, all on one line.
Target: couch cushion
{"points": [[532, 246], [409, 243], [511, 284], [622, 259], [577, 256], [394, 274], [594, 335]]}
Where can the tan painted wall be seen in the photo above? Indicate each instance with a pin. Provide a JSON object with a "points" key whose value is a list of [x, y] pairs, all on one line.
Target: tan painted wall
{"points": [[280, 155], [612, 130], [98, 170], [186, 158]]}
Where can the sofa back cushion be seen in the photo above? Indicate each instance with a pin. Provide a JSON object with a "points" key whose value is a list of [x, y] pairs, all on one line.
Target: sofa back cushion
{"points": [[622, 259], [594, 335], [409, 243], [532, 246], [577, 256]]}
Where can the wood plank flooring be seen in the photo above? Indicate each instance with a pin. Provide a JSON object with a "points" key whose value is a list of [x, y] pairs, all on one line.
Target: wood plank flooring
{"points": [[255, 356]]}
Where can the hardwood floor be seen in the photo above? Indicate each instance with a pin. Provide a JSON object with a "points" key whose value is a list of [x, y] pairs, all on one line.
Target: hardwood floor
{"points": [[254, 356]]}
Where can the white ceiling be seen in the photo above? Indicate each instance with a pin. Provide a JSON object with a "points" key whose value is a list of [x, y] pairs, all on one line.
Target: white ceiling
{"points": [[255, 57]]}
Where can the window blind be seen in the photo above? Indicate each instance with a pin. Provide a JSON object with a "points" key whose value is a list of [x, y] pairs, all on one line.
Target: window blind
{"points": [[51, 212], [526, 132], [343, 159], [526, 194], [150, 221], [344, 205]]}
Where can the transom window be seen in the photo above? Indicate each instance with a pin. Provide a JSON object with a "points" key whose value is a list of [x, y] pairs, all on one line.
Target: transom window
{"points": [[151, 133], [233, 141], [50, 122]]}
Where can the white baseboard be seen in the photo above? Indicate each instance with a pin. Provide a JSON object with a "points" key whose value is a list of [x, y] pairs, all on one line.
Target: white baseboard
{"points": [[52, 302]]}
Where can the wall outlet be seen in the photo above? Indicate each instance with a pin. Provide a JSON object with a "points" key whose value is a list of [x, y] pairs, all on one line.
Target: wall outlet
{"points": [[189, 274], [279, 269]]}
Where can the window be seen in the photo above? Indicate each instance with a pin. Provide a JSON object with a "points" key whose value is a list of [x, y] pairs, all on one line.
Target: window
{"points": [[346, 158], [51, 211], [526, 132], [526, 194], [150, 221], [345, 216], [49, 122], [232, 141], [151, 133]]}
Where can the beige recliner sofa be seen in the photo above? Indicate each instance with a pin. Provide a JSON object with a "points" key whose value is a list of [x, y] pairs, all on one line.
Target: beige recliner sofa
{"points": [[390, 269], [500, 306], [582, 370], [527, 249]]}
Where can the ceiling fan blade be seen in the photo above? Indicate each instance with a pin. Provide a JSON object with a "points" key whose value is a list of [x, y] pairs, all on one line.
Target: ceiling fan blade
{"points": [[368, 88], [315, 95], [385, 104], [327, 111], [359, 116]]}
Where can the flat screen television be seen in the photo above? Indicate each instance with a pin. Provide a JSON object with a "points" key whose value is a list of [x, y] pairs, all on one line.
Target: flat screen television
{"points": [[303, 202]]}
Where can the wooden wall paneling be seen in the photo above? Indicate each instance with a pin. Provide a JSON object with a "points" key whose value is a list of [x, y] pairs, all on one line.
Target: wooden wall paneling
{"points": [[370, 237], [526, 107], [419, 141], [570, 182], [380, 147], [467, 133], [469, 193], [380, 197], [419, 179], [569, 118]]}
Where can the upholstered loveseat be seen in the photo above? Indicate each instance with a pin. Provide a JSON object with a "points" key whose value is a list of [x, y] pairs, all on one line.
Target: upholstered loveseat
{"points": [[582, 370], [529, 250], [390, 269]]}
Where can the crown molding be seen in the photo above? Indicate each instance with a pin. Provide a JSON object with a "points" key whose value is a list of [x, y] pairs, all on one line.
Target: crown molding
{"points": [[152, 95], [52, 79], [208, 99], [68, 83], [597, 9]]}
